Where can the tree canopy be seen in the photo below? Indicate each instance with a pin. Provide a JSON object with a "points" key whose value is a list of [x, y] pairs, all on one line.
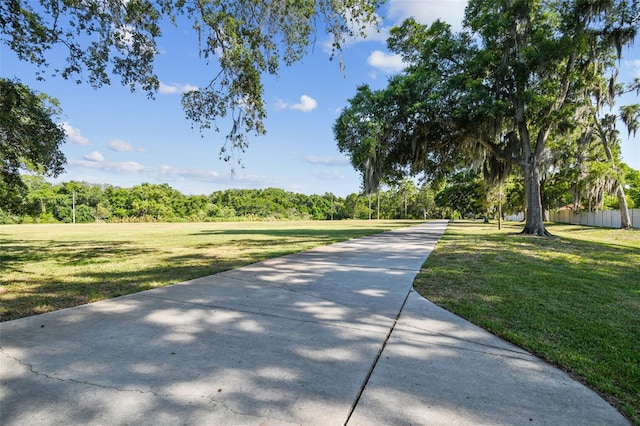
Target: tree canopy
{"points": [[29, 139], [44, 202], [495, 95], [100, 39]]}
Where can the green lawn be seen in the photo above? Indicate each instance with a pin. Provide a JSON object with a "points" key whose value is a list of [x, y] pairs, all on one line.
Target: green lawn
{"points": [[573, 300], [49, 267]]}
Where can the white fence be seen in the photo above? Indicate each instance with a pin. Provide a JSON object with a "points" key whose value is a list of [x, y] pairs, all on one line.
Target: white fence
{"points": [[517, 217], [602, 218]]}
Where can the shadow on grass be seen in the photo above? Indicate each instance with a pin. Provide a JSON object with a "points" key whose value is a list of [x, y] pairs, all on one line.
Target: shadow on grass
{"points": [[570, 301], [57, 275], [329, 235], [295, 349], [43, 275], [68, 252]]}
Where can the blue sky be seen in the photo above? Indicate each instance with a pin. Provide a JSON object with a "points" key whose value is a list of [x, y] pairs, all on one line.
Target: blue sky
{"points": [[123, 138]]}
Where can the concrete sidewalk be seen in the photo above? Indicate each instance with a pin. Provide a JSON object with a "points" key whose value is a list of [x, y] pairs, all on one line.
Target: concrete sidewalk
{"points": [[330, 336]]}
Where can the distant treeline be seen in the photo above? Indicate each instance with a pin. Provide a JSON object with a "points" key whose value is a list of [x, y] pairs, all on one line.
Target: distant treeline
{"points": [[82, 202], [464, 194]]}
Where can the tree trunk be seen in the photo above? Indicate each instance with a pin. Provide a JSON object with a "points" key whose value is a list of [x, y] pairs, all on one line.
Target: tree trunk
{"points": [[622, 199], [623, 207], [534, 224], [405, 205], [545, 207]]}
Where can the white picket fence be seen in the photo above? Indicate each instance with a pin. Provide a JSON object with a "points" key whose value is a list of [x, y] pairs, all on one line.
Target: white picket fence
{"points": [[602, 218]]}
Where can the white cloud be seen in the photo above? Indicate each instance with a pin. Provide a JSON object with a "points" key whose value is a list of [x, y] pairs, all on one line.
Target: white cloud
{"points": [[386, 62], [175, 88], [423, 11], [94, 156], [186, 180], [74, 135], [307, 103], [427, 11], [280, 104], [166, 173], [174, 172], [125, 36], [371, 33], [128, 167], [329, 175], [326, 161], [635, 65], [122, 146]]}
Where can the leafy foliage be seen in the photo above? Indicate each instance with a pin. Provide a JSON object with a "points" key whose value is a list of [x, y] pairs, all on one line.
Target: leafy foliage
{"points": [[464, 193], [494, 95], [29, 139], [406, 129], [99, 39], [632, 178], [47, 203]]}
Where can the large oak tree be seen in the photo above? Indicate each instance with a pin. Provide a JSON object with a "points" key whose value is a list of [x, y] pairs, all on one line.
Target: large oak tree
{"points": [[517, 74]]}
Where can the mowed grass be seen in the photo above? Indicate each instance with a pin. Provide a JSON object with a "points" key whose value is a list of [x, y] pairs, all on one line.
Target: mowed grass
{"points": [[49, 267], [573, 300]]}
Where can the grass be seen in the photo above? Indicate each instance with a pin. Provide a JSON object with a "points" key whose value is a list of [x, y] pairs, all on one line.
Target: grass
{"points": [[573, 300], [49, 267]]}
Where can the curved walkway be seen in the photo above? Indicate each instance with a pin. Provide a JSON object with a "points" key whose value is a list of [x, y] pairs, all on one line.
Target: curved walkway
{"points": [[331, 336]]}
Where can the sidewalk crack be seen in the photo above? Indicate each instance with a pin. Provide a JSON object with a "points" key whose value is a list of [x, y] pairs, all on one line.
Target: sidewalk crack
{"points": [[80, 382], [375, 361], [211, 399]]}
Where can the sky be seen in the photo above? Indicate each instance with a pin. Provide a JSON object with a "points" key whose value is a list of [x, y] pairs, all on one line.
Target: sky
{"points": [[122, 138]]}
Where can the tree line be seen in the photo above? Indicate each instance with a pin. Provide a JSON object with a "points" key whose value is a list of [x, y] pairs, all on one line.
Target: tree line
{"points": [[82, 202], [461, 195]]}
